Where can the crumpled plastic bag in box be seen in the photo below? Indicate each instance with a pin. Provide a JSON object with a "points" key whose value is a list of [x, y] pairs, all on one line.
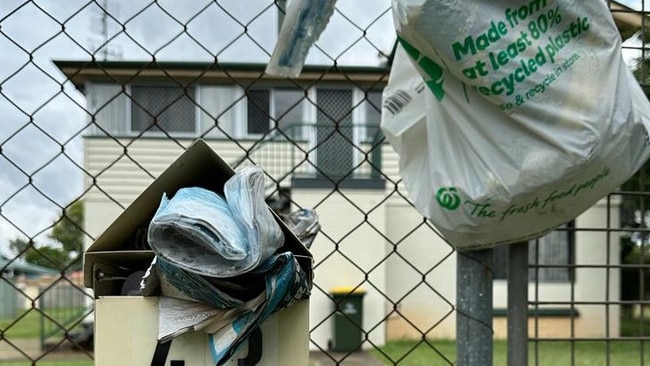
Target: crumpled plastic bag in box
{"points": [[202, 232], [219, 267]]}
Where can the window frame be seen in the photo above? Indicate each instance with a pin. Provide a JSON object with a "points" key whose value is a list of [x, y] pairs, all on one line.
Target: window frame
{"points": [[272, 90], [365, 134], [500, 272]]}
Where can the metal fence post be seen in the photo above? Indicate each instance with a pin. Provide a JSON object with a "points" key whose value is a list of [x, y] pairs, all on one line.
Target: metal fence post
{"points": [[474, 277], [518, 304]]}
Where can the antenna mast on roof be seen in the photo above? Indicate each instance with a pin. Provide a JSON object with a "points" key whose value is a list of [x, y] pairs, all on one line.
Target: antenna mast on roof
{"points": [[282, 9], [100, 26]]}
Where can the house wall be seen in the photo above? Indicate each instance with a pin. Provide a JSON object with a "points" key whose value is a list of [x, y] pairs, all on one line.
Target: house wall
{"points": [[419, 283], [422, 252], [422, 277], [119, 178], [597, 284], [353, 247]]}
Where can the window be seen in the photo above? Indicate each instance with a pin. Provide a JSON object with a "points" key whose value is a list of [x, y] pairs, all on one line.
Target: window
{"points": [[289, 110], [556, 249], [553, 249], [258, 112], [222, 110], [108, 104], [283, 108], [163, 108], [334, 132]]}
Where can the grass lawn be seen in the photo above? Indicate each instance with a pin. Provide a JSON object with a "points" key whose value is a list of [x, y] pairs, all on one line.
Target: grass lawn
{"points": [[86, 362], [26, 327], [443, 352], [29, 325], [632, 327], [431, 353]]}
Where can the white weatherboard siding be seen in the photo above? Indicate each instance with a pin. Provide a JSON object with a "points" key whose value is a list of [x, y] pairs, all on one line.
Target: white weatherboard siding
{"points": [[118, 180], [120, 169], [120, 177]]}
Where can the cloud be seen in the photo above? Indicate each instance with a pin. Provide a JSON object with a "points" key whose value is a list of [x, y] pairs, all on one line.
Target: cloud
{"points": [[41, 146], [636, 4]]}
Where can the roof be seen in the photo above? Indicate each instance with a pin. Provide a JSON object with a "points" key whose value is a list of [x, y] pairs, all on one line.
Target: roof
{"points": [[627, 19], [80, 72], [23, 267]]}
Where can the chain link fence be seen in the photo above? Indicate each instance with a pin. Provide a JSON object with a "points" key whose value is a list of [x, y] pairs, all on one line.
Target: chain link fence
{"points": [[98, 97]]}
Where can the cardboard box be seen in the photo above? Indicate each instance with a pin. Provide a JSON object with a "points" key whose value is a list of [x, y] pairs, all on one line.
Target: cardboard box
{"points": [[123, 250]]}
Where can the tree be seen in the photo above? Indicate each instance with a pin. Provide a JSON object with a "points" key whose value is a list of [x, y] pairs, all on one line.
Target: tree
{"points": [[44, 256], [18, 246], [641, 69], [65, 253], [68, 230]]}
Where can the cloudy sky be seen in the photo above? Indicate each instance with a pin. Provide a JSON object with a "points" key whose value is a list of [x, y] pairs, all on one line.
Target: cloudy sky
{"points": [[41, 123], [636, 4]]}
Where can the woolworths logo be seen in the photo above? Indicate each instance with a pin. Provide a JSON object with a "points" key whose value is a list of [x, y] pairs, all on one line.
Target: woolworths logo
{"points": [[448, 198], [432, 69]]}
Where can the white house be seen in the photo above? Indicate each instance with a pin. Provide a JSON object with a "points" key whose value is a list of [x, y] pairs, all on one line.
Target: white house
{"points": [[318, 139]]}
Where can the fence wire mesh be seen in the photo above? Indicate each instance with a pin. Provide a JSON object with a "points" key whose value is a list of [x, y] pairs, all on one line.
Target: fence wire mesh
{"points": [[98, 97]]}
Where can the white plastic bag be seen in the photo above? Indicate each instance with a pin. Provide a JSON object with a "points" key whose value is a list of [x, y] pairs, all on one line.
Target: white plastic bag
{"points": [[511, 117]]}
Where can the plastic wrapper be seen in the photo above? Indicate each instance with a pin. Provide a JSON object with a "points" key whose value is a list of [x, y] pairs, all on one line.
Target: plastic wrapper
{"points": [[510, 118], [285, 283], [229, 311], [245, 195], [304, 21], [303, 223]]}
